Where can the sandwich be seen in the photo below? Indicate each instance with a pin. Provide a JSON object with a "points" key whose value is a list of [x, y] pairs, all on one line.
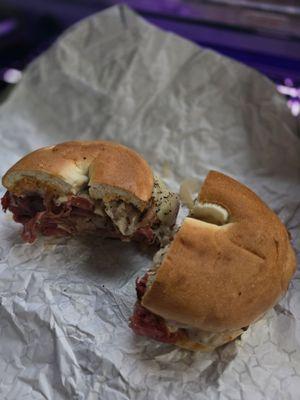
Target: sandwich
{"points": [[89, 187], [229, 262]]}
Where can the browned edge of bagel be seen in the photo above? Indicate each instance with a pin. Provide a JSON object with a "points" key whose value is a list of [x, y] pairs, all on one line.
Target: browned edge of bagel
{"points": [[110, 170], [223, 278]]}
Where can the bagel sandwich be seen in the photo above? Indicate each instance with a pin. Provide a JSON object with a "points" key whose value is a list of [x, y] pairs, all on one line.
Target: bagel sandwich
{"points": [[89, 187], [229, 262]]}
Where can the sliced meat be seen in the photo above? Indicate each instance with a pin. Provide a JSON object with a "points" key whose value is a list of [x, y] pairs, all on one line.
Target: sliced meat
{"points": [[25, 209], [30, 228], [145, 323], [22, 207], [50, 228], [75, 205], [141, 286], [82, 203], [149, 218], [45, 215], [145, 233], [5, 201], [81, 212], [76, 215]]}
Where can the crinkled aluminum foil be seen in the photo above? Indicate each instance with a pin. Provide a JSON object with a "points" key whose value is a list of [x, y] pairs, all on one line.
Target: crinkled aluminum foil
{"points": [[65, 303]]}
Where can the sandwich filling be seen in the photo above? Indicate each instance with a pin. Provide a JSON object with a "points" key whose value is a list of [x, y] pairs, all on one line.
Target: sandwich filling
{"points": [[53, 215], [144, 322]]}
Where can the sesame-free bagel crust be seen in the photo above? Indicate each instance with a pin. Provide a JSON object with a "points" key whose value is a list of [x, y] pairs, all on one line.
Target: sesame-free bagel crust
{"points": [[71, 166], [219, 278]]}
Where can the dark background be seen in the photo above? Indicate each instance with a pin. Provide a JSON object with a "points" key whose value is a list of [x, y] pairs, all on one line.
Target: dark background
{"points": [[263, 34]]}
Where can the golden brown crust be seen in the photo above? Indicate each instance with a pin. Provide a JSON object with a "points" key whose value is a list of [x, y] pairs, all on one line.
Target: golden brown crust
{"points": [[221, 278], [68, 167], [122, 168]]}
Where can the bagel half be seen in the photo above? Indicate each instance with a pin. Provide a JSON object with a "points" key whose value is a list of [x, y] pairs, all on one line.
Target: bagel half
{"points": [[219, 274], [94, 186]]}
